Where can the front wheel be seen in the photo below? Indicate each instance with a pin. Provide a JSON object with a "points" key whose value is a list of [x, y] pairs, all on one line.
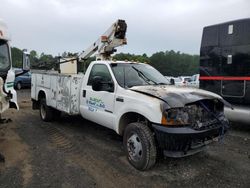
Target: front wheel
{"points": [[140, 147]]}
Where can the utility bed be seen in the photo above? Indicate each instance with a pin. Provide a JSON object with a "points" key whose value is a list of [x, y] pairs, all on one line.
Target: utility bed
{"points": [[63, 89]]}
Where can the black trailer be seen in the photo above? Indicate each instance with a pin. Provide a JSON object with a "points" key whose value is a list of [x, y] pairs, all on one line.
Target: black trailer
{"points": [[225, 65]]}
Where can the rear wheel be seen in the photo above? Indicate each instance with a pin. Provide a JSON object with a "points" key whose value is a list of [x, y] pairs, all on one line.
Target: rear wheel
{"points": [[140, 147], [46, 112], [57, 114]]}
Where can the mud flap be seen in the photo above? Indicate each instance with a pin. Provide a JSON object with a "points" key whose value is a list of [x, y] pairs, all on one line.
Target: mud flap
{"points": [[14, 105]]}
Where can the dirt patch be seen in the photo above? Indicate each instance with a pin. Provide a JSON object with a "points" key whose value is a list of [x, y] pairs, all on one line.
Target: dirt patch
{"points": [[16, 152]]}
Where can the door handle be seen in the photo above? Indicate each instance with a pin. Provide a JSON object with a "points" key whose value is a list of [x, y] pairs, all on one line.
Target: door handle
{"points": [[84, 93], [119, 99]]}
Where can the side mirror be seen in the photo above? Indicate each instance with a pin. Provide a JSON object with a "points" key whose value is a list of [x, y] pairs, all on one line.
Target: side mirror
{"points": [[26, 61], [99, 85]]}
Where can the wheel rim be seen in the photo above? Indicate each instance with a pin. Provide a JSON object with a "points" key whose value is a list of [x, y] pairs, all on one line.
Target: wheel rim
{"points": [[43, 111], [134, 147], [19, 86]]}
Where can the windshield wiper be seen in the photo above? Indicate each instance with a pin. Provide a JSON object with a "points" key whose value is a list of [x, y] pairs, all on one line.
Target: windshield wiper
{"points": [[144, 77]]}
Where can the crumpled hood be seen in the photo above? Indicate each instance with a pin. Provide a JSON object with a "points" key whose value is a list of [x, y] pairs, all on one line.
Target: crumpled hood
{"points": [[177, 97]]}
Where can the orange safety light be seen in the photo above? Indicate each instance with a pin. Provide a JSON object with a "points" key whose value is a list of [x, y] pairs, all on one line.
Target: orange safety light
{"points": [[104, 38], [124, 41]]}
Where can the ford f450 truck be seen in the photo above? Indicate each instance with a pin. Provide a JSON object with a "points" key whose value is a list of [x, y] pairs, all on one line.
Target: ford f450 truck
{"points": [[135, 101]]}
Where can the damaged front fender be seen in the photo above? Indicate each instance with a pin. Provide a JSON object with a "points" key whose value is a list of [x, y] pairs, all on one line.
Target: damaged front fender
{"points": [[191, 118]]}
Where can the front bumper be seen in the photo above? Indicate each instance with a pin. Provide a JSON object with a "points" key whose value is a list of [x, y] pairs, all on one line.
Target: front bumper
{"points": [[184, 141]]}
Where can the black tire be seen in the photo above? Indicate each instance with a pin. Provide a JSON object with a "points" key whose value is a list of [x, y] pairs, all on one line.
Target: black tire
{"points": [[46, 112], [140, 147], [19, 85], [56, 114]]}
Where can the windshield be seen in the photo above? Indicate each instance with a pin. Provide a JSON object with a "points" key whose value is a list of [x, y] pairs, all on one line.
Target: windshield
{"points": [[4, 56], [134, 74], [186, 79], [177, 79]]}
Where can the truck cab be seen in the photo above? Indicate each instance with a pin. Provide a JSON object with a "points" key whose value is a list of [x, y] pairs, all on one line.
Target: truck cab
{"points": [[7, 75], [8, 94], [106, 88]]}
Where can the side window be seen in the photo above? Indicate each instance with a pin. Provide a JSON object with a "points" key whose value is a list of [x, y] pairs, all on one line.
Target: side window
{"points": [[100, 70], [210, 36]]}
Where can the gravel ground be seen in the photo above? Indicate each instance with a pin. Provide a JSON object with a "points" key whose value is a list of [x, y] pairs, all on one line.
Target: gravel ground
{"points": [[73, 152]]}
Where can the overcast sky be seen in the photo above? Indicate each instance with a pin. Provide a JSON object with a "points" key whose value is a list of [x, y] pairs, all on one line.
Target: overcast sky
{"points": [[55, 26]]}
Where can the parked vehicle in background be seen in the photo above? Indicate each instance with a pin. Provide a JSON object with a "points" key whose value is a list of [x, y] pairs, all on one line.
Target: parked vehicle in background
{"points": [[194, 81], [225, 65], [181, 80], [8, 96], [169, 80], [177, 81], [185, 79], [23, 81]]}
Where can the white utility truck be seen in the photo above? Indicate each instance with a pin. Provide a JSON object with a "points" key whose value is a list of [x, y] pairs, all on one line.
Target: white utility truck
{"points": [[8, 97], [134, 100]]}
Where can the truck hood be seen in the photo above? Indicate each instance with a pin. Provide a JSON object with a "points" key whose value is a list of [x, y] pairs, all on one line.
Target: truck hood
{"points": [[177, 97]]}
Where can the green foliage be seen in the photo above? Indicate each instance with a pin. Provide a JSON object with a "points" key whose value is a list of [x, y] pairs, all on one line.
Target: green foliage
{"points": [[33, 58], [33, 54], [82, 66], [46, 58], [17, 56], [131, 57], [169, 63]]}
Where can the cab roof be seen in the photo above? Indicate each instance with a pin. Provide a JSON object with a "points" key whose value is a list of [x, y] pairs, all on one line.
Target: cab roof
{"points": [[117, 62], [4, 34], [229, 22]]}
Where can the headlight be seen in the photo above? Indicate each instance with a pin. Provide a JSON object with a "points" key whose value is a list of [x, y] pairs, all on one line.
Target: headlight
{"points": [[175, 116], [196, 115]]}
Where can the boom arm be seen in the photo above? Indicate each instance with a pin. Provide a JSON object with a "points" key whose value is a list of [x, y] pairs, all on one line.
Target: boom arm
{"points": [[106, 44]]}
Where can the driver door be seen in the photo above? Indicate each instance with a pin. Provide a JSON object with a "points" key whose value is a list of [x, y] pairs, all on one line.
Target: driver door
{"points": [[98, 106]]}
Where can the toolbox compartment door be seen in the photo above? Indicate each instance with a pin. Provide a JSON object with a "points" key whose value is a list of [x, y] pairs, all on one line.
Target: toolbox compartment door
{"points": [[233, 88], [63, 93]]}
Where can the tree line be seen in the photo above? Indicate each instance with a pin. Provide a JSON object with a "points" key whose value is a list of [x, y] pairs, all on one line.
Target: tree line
{"points": [[169, 63]]}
